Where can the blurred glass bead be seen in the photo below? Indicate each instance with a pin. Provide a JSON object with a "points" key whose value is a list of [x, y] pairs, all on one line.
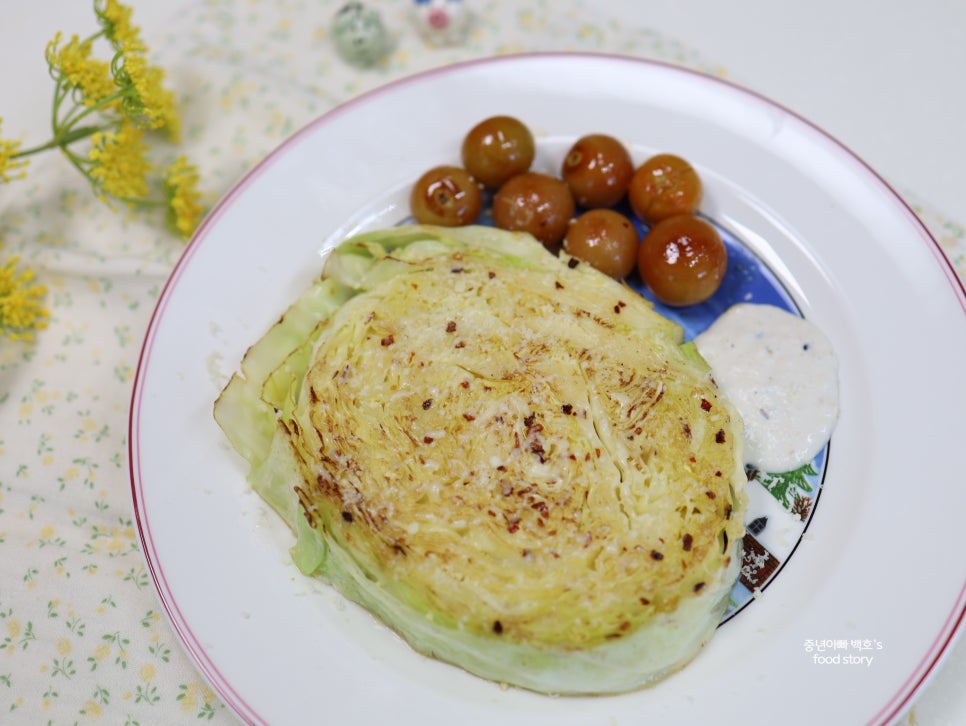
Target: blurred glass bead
{"points": [[442, 22], [359, 34]]}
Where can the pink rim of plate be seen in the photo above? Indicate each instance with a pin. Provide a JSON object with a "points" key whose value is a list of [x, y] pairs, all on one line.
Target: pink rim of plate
{"points": [[895, 707]]}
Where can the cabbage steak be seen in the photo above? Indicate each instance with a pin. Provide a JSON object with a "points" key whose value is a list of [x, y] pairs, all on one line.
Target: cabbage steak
{"points": [[508, 457]]}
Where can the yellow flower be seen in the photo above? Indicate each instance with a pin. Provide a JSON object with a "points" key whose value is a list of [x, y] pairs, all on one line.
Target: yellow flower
{"points": [[21, 308], [89, 78], [146, 101], [115, 19], [184, 201], [120, 165], [9, 164]]}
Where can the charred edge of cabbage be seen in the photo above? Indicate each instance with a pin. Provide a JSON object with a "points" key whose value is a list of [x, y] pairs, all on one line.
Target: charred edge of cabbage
{"points": [[655, 650]]}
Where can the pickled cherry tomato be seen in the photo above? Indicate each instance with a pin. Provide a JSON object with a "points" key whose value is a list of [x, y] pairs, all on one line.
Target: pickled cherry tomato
{"points": [[682, 259], [446, 195], [496, 149], [536, 203], [598, 169], [605, 239], [663, 186]]}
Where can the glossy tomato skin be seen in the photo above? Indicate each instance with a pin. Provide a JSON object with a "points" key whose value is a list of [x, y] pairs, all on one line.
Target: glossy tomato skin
{"points": [[682, 260], [496, 149], [536, 203], [598, 169], [606, 240], [446, 195], [663, 186]]}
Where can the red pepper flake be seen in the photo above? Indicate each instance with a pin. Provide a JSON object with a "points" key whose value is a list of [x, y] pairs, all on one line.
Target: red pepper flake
{"points": [[497, 627], [698, 586], [710, 494], [537, 448], [686, 541], [451, 326], [655, 555], [427, 404], [572, 262], [719, 438], [687, 431], [460, 344], [347, 517], [387, 341], [469, 417], [645, 601], [491, 274], [456, 269], [464, 384], [567, 408], [427, 439], [705, 404]]}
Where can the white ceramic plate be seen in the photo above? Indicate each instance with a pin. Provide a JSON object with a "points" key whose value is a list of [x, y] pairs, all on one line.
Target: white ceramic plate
{"points": [[878, 573]]}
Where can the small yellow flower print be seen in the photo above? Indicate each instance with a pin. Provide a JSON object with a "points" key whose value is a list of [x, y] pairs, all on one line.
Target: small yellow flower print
{"points": [[14, 628], [147, 672], [189, 697], [64, 646], [92, 708]]}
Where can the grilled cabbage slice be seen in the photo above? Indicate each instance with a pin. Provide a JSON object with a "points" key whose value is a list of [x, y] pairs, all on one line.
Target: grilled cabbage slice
{"points": [[509, 459]]}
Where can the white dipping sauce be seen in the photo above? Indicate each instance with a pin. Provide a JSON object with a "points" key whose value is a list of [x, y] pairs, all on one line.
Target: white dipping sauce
{"points": [[781, 373]]}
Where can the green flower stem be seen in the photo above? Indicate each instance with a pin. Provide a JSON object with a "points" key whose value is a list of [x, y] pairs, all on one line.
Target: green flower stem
{"points": [[62, 140], [79, 111]]}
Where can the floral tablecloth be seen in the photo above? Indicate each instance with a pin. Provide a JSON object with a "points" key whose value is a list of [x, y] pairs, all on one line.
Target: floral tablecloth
{"points": [[82, 635]]}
